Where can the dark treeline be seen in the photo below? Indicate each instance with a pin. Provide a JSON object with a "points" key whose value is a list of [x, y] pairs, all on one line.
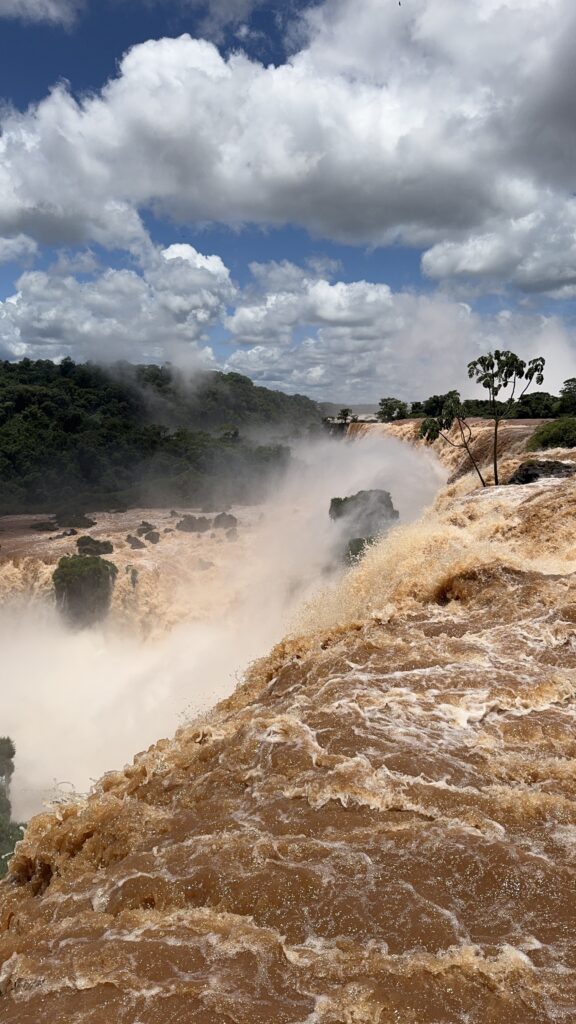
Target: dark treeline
{"points": [[535, 405], [79, 435]]}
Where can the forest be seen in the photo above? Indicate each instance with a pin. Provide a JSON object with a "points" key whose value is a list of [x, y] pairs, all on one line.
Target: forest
{"points": [[84, 436]]}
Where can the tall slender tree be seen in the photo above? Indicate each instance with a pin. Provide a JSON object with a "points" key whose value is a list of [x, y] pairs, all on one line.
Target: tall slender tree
{"points": [[502, 371]]}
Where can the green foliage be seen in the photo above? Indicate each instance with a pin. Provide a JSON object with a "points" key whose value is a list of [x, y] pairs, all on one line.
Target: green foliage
{"points": [[559, 434], [83, 586], [345, 414], [7, 755], [78, 436], [538, 405], [10, 832], [567, 402], [91, 546], [391, 409], [450, 412]]}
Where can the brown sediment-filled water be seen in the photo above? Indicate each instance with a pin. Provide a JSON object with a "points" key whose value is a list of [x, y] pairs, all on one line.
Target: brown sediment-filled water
{"points": [[378, 827]]}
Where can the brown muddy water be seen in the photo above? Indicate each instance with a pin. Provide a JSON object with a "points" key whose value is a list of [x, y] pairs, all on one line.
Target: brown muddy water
{"points": [[378, 827]]}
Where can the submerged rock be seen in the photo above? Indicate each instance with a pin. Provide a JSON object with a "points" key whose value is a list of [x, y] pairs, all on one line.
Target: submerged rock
{"points": [[538, 469]]}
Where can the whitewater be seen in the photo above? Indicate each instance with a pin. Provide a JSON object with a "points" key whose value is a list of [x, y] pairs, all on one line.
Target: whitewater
{"points": [[377, 825]]}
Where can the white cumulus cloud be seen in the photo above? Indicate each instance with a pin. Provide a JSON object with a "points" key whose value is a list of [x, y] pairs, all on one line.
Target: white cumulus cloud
{"points": [[421, 123], [161, 312], [362, 340]]}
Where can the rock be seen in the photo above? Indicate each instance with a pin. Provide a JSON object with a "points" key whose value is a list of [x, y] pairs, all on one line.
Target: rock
{"points": [[153, 537], [362, 517], [203, 565], [225, 521], [194, 524], [356, 547], [168, 529], [44, 526], [133, 573], [78, 519], [134, 543], [90, 546], [144, 527], [366, 513], [539, 469], [232, 534], [83, 586]]}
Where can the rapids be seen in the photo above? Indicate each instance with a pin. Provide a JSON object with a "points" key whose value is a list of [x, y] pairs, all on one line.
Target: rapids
{"points": [[377, 827]]}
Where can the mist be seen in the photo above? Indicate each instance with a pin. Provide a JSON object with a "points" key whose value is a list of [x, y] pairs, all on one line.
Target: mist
{"points": [[78, 704]]}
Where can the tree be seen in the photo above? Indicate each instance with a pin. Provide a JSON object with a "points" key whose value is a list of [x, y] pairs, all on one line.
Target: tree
{"points": [[345, 414], [567, 403], [451, 412], [10, 833], [500, 371], [538, 405], [7, 755], [417, 409], [391, 409]]}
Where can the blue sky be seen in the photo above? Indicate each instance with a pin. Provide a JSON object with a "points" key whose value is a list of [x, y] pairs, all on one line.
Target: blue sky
{"points": [[348, 199]]}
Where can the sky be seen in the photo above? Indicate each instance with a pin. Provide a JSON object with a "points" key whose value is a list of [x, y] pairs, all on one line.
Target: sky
{"points": [[348, 199]]}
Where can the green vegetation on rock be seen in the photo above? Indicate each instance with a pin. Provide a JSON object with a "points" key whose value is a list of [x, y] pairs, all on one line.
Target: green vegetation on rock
{"points": [[10, 832], [90, 546], [83, 586]]}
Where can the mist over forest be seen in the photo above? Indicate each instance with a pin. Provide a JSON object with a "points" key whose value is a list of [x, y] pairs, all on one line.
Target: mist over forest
{"points": [[139, 434]]}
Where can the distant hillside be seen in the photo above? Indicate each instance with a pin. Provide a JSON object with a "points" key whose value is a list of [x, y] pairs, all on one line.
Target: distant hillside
{"points": [[333, 408], [81, 435]]}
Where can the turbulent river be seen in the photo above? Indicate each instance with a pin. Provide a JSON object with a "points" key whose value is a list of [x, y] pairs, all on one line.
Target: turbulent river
{"points": [[377, 827]]}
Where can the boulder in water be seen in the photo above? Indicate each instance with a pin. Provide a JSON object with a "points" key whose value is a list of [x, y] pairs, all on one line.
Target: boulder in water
{"points": [[134, 543], [356, 547], [145, 527], [153, 537], [367, 513], [194, 524], [78, 519], [225, 521], [539, 469]]}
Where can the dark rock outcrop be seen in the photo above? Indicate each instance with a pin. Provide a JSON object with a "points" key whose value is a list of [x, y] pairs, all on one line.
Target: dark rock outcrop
{"points": [[367, 513], [194, 524], [153, 537], [145, 527], [538, 469], [134, 542], [225, 521]]}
